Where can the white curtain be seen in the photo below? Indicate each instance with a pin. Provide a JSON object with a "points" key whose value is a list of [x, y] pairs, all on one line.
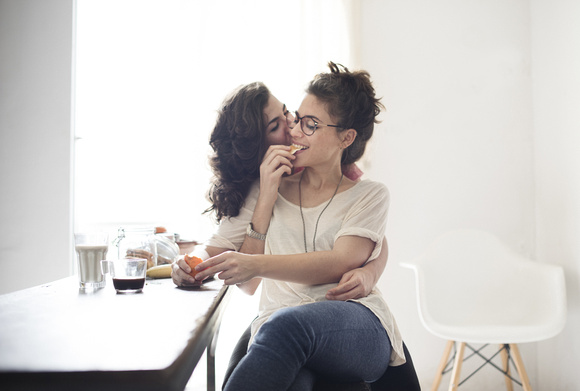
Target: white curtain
{"points": [[149, 78]]}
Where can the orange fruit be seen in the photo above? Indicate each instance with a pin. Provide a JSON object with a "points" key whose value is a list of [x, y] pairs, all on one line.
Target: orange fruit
{"points": [[192, 262]]}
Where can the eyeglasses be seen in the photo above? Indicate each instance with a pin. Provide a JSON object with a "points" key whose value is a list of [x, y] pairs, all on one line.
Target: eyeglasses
{"points": [[309, 125]]}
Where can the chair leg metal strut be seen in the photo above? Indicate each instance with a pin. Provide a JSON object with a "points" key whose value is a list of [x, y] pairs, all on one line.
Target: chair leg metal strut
{"points": [[509, 354]]}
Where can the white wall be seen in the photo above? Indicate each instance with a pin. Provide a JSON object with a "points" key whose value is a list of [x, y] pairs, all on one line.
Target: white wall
{"points": [[457, 147], [556, 86], [35, 141]]}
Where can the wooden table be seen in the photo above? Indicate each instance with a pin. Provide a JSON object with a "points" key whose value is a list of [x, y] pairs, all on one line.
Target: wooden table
{"points": [[57, 337]]}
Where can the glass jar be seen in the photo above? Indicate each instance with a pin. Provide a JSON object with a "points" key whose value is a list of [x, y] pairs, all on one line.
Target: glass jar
{"points": [[137, 243], [167, 249]]}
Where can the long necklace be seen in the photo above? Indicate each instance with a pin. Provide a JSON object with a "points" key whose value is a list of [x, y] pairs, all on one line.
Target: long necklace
{"points": [[319, 216]]}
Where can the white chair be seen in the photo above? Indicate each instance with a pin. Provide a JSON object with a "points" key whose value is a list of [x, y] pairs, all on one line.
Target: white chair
{"points": [[473, 289]]}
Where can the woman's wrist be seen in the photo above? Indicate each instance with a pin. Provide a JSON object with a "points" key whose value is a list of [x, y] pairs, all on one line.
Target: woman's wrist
{"points": [[260, 262], [262, 215], [370, 268], [266, 200], [253, 233]]}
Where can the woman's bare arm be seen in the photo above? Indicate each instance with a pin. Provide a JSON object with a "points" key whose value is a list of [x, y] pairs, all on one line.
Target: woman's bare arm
{"points": [[359, 282], [276, 163], [319, 267]]}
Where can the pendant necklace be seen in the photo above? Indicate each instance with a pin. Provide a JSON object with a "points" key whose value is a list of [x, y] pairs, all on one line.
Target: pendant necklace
{"points": [[319, 216]]}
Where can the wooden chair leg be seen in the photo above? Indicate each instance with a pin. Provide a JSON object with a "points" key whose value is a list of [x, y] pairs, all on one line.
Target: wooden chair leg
{"points": [[442, 366], [520, 367], [506, 367], [457, 367]]}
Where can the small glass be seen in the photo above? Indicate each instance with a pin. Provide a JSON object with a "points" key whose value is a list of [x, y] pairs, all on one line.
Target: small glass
{"points": [[91, 249], [128, 274]]}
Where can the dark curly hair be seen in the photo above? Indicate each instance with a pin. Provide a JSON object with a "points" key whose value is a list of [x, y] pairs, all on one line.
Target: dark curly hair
{"points": [[350, 98], [239, 144]]}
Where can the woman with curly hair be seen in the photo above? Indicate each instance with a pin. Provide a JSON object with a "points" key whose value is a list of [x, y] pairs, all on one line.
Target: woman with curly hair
{"points": [[314, 226], [239, 141], [251, 141]]}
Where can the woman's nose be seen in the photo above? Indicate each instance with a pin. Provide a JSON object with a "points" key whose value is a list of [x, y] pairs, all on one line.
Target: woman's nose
{"points": [[296, 130]]}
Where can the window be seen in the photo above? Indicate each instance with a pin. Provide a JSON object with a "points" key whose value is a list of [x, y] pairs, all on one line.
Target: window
{"points": [[149, 78]]}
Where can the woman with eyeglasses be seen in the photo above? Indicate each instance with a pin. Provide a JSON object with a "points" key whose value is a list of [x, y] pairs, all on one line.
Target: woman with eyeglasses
{"points": [[251, 141], [316, 225], [253, 126]]}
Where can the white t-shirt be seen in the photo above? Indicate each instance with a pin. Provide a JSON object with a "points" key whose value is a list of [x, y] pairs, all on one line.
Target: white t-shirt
{"points": [[231, 232], [359, 211]]}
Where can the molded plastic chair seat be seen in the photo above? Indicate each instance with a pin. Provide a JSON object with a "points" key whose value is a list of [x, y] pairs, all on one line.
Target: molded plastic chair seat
{"points": [[473, 289]]}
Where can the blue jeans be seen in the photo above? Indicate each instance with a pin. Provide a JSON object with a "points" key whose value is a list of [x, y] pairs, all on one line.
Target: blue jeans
{"points": [[340, 340]]}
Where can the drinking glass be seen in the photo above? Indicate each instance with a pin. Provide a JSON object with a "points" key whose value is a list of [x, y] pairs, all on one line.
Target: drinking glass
{"points": [[91, 249], [128, 274]]}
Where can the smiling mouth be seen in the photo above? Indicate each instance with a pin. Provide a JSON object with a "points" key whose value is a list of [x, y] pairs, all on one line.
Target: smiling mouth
{"points": [[296, 147]]}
